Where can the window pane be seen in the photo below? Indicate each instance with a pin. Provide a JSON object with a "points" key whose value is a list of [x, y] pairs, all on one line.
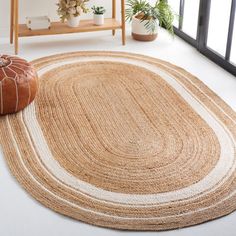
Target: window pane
{"points": [[190, 18], [175, 7], [233, 49], [218, 25]]}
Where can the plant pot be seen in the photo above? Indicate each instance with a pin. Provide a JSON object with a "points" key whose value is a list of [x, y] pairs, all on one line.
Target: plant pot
{"points": [[73, 21], [139, 31], [98, 19]]}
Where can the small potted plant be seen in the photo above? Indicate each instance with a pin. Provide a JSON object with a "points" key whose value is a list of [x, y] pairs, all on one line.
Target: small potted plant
{"points": [[146, 18], [71, 10], [98, 15]]}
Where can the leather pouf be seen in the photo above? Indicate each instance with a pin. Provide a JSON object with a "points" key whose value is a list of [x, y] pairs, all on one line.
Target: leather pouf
{"points": [[18, 84]]}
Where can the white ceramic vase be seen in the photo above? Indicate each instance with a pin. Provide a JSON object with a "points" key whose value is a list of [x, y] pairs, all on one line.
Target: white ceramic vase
{"points": [[98, 19], [73, 21], [140, 32]]}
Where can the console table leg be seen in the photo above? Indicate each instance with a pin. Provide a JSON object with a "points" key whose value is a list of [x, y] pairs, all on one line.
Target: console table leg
{"points": [[16, 26], [12, 22], [113, 14], [123, 21]]}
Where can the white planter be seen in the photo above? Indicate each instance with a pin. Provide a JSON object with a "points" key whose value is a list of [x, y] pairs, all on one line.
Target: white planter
{"points": [[139, 31], [98, 19], [73, 21]]}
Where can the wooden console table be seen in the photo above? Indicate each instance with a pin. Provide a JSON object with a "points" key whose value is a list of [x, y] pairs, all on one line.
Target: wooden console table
{"points": [[20, 30]]}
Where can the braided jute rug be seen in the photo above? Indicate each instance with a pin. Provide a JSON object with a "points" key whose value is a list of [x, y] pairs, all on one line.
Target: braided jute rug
{"points": [[124, 141]]}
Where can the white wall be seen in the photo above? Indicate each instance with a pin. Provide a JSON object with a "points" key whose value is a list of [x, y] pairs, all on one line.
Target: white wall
{"points": [[45, 7], [42, 7]]}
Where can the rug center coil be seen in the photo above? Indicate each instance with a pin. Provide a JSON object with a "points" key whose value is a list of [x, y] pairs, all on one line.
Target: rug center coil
{"points": [[124, 136]]}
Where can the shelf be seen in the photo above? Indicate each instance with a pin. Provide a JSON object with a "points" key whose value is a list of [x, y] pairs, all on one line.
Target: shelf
{"points": [[20, 30], [62, 28]]}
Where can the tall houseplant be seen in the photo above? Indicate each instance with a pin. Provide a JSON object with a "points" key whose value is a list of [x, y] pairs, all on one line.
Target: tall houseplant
{"points": [[146, 18], [71, 10]]}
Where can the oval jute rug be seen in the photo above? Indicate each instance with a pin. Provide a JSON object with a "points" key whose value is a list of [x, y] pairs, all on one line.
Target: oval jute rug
{"points": [[124, 141]]}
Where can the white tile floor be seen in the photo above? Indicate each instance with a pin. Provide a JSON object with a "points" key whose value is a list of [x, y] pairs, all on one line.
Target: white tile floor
{"points": [[20, 215]]}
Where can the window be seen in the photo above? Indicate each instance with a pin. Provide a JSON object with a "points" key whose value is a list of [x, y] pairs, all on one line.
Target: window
{"points": [[218, 25], [233, 49], [190, 17], [209, 25], [175, 7]]}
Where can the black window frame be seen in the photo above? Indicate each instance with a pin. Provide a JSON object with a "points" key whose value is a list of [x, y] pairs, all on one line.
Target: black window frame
{"points": [[200, 43]]}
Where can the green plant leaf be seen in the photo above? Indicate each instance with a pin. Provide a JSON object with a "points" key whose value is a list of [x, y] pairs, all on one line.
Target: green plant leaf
{"points": [[161, 11]]}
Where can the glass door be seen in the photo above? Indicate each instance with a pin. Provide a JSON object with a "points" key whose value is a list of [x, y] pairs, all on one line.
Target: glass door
{"points": [[217, 32], [187, 25], [233, 49], [218, 26], [209, 25]]}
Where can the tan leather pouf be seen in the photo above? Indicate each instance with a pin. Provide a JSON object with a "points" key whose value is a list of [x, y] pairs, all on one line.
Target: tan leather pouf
{"points": [[18, 84]]}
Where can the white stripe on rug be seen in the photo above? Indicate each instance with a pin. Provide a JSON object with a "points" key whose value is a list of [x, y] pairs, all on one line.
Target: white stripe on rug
{"points": [[213, 178]]}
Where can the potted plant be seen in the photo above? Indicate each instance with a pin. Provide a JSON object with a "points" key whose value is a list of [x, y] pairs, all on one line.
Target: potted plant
{"points": [[146, 18], [98, 15], [71, 10]]}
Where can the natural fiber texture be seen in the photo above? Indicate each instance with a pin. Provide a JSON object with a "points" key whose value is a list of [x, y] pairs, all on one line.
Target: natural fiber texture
{"points": [[124, 141]]}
